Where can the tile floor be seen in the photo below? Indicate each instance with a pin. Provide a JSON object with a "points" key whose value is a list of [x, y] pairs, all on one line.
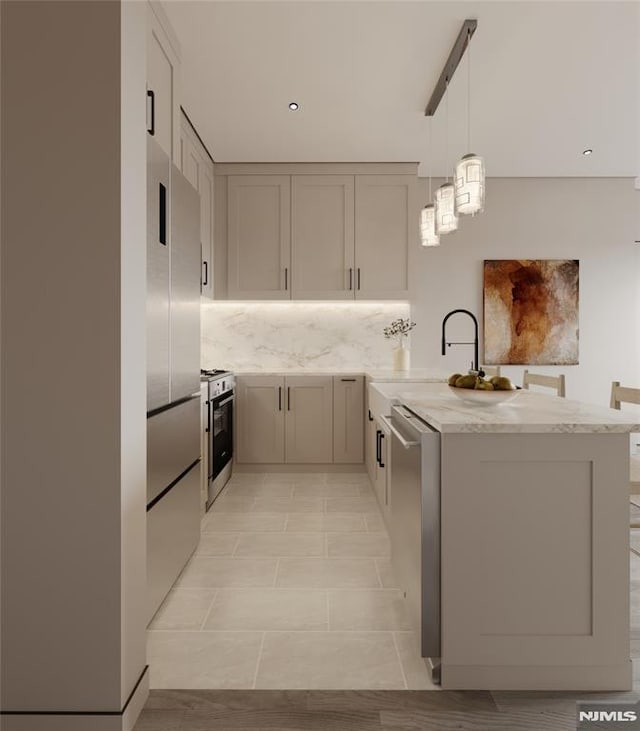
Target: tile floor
{"points": [[290, 587]]}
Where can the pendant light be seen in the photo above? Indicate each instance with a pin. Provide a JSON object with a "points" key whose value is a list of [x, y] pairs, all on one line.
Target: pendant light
{"points": [[445, 200], [470, 175], [428, 235]]}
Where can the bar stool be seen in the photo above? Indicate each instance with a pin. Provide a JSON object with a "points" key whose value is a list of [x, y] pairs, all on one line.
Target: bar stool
{"points": [[535, 379]]}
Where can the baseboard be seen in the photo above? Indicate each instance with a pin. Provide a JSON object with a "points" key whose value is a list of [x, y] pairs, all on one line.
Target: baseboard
{"points": [[543, 677], [123, 720]]}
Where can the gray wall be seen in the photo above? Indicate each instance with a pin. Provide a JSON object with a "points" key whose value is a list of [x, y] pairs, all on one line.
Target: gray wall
{"points": [[595, 220], [73, 383]]}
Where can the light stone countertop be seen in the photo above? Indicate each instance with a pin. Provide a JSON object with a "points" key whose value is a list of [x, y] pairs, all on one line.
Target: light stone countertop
{"points": [[527, 413], [418, 375]]}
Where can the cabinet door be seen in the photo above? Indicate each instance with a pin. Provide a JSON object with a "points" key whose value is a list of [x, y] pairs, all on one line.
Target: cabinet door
{"points": [[206, 226], [348, 424], [260, 419], [189, 157], [259, 236], [163, 82], [381, 482], [386, 225], [370, 445], [309, 419], [322, 257], [197, 167]]}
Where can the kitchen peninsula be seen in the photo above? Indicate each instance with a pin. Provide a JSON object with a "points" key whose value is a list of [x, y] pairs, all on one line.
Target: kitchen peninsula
{"points": [[533, 576]]}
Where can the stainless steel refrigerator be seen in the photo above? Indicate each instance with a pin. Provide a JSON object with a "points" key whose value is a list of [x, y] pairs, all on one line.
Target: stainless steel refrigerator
{"points": [[173, 373]]}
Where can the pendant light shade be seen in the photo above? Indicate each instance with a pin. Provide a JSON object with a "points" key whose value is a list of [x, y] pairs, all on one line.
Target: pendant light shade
{"points": [[470, 185], [428, 235], [445, 209]]}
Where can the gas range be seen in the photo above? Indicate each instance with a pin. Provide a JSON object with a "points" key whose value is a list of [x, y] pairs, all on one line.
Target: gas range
{"points": [[208, 374], [220, 381]]}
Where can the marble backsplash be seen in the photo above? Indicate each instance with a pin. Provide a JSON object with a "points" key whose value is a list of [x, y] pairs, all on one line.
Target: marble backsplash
{"points": [[274, 335]]}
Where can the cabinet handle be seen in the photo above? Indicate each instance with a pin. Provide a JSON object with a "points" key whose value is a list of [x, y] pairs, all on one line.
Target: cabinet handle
{"points": [[279, 398], [358, 278], [348, 380], [350, 278], [162, 212], [205, 264], [152, 96], [378, 433], [370, 416], [288, 398], [381, 438], [286, 278]]}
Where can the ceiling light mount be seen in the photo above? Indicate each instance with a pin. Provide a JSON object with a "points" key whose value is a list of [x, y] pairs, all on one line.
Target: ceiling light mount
{"points": [[457, 52], [294, 106], [588, 151]]}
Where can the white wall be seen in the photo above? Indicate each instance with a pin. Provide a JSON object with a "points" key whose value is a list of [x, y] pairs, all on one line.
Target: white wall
{"points": [[73, 381], [595, 220]]}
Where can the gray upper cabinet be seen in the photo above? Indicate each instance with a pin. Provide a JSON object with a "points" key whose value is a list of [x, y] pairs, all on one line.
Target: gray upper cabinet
{"points": [[318, 231], [259, 237], [197, 167], [163, 77], [386, 225], [322, 234]]}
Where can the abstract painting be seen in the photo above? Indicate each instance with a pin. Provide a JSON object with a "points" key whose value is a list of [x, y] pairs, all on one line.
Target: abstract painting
{"points": [[531, 311]]}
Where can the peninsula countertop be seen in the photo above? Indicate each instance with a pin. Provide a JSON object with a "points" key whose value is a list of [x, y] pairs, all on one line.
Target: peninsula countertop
{"points": [[528, 412]]}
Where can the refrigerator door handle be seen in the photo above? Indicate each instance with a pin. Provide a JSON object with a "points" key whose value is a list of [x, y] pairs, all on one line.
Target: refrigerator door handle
{"points": [[162, 213], [151, 95]]}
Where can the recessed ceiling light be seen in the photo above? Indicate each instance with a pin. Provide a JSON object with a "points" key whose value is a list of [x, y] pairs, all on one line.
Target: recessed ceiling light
{"points": [[294, 106], [588, 151]]}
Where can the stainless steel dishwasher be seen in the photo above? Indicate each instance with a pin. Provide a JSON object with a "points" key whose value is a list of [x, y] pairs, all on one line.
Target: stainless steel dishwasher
{"points": [[415, 526]]}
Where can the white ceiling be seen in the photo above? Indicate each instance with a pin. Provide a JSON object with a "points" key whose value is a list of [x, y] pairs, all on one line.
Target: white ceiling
{"points": [[548, 80]]}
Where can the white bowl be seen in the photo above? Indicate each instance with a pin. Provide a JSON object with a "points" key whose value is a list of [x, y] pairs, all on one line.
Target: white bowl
{"points": [[483, 398]]}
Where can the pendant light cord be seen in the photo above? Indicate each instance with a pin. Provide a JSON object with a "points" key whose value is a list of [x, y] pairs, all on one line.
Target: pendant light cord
{"points": [[430, 162], [446, 130], [468, 91]]}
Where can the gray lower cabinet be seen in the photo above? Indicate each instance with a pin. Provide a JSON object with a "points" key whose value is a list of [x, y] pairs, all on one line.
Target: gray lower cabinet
{"points": [[299, 419], [309, 419], [381, 480], [259, 419], [348, 427]]}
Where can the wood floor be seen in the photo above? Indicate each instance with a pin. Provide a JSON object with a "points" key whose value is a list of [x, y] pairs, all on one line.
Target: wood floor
{"points": [[201, 710]]}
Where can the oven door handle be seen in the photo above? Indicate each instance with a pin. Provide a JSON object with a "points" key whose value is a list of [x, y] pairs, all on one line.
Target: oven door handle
{"points": [[226, 401]]}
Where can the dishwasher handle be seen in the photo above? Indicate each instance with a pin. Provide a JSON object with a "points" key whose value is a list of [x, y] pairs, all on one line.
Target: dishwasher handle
{"points": [[405, 442]]}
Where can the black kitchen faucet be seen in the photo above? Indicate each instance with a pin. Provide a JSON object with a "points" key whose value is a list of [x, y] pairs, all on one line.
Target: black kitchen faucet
{"points": [[475, 365]]}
